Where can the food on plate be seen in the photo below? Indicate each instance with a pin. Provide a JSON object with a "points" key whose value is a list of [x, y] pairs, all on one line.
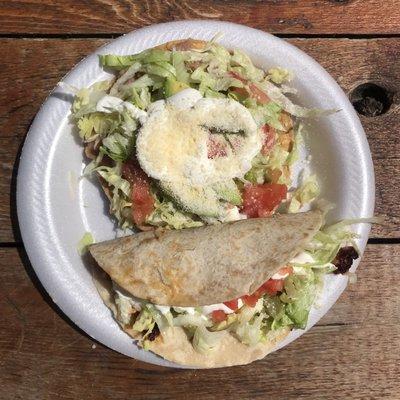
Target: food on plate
{"points": [[182, 267], [189, 134], [195, 147], [218, 295]]}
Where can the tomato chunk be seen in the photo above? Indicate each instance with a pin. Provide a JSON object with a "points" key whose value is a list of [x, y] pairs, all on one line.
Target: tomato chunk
{"points": [[252, 89], [250, 300], [272, 286], [216, 148], [286, 270], [142, 200], [258, 94], [237, 76], [261, 200], [232, 304], [268, 139], [218, 316]]}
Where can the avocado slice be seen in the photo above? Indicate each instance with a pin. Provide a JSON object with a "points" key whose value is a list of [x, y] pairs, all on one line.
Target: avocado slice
{"points": [[200, 200], [172, 86], [228, 191]]}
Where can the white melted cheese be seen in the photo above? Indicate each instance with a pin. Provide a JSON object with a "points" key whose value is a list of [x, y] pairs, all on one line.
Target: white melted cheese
{"points": [[215, 307], [185, 99], [128, 303], [172, 143], [163, 309], [233, 214], [188, 310], [279, 275], [109, 104], [302, 258]]}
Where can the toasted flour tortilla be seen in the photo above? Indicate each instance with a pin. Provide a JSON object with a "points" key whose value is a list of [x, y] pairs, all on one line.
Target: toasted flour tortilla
{"points": [[175, 346], [183, 45], [206, 265]]}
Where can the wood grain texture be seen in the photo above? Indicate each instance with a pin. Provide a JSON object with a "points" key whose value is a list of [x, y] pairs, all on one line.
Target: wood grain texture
{"points": [[354, 349], [116, 16], [42, 63]]}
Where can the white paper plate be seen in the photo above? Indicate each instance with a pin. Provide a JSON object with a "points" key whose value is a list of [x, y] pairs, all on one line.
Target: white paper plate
{"points": [[55, 209]]}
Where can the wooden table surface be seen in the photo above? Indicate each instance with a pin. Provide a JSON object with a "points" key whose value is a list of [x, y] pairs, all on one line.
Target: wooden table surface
{"points": [[352, 353]]}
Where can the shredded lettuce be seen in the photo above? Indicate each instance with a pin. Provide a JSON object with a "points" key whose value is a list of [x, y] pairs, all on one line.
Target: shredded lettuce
{"points": [[275, 311], [267, 114], [92, 125], [338, 229], [140, 83], [144, 321], [279, 75], [86, 99], [118, 146], [276, 95], [305, 194], [120, 189], [299, 294], [205, 340], [124, 78], [121, 62], [271, 167], [85, 242], [162, 69], [250, 332], [191, 320], [166, 214], [258, 169], [163, 321], [247, 68], [140, 97], [298, 139], [178, 61]]}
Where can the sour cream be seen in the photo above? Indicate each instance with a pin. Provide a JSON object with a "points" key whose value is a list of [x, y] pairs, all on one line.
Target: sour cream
{"points": [[127, 302]]}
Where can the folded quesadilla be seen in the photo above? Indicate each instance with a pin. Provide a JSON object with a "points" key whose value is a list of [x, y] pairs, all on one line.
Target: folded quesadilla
{"points": [[217, 295]]}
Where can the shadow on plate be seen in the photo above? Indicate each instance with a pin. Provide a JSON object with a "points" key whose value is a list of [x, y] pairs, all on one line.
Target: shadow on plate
{"points": [[23, 255]]}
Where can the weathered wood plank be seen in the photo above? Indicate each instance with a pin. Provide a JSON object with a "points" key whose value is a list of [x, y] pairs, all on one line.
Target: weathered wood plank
{"points": [[43, 356], [286, 16], [41, 63]]}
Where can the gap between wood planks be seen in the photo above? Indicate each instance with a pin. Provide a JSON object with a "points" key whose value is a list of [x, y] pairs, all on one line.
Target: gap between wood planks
{"points": [[114, 35]]}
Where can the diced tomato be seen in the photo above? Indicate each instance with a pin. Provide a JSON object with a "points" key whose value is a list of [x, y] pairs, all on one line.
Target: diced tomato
{"points": [[241, 93], [232, 304], [258, 94], [286, 270], [142, 200], [253, 90], [215, 148], [250, 300], [268, 139], [218, 316], [237, 76], [272, 287], [261, 200]]}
